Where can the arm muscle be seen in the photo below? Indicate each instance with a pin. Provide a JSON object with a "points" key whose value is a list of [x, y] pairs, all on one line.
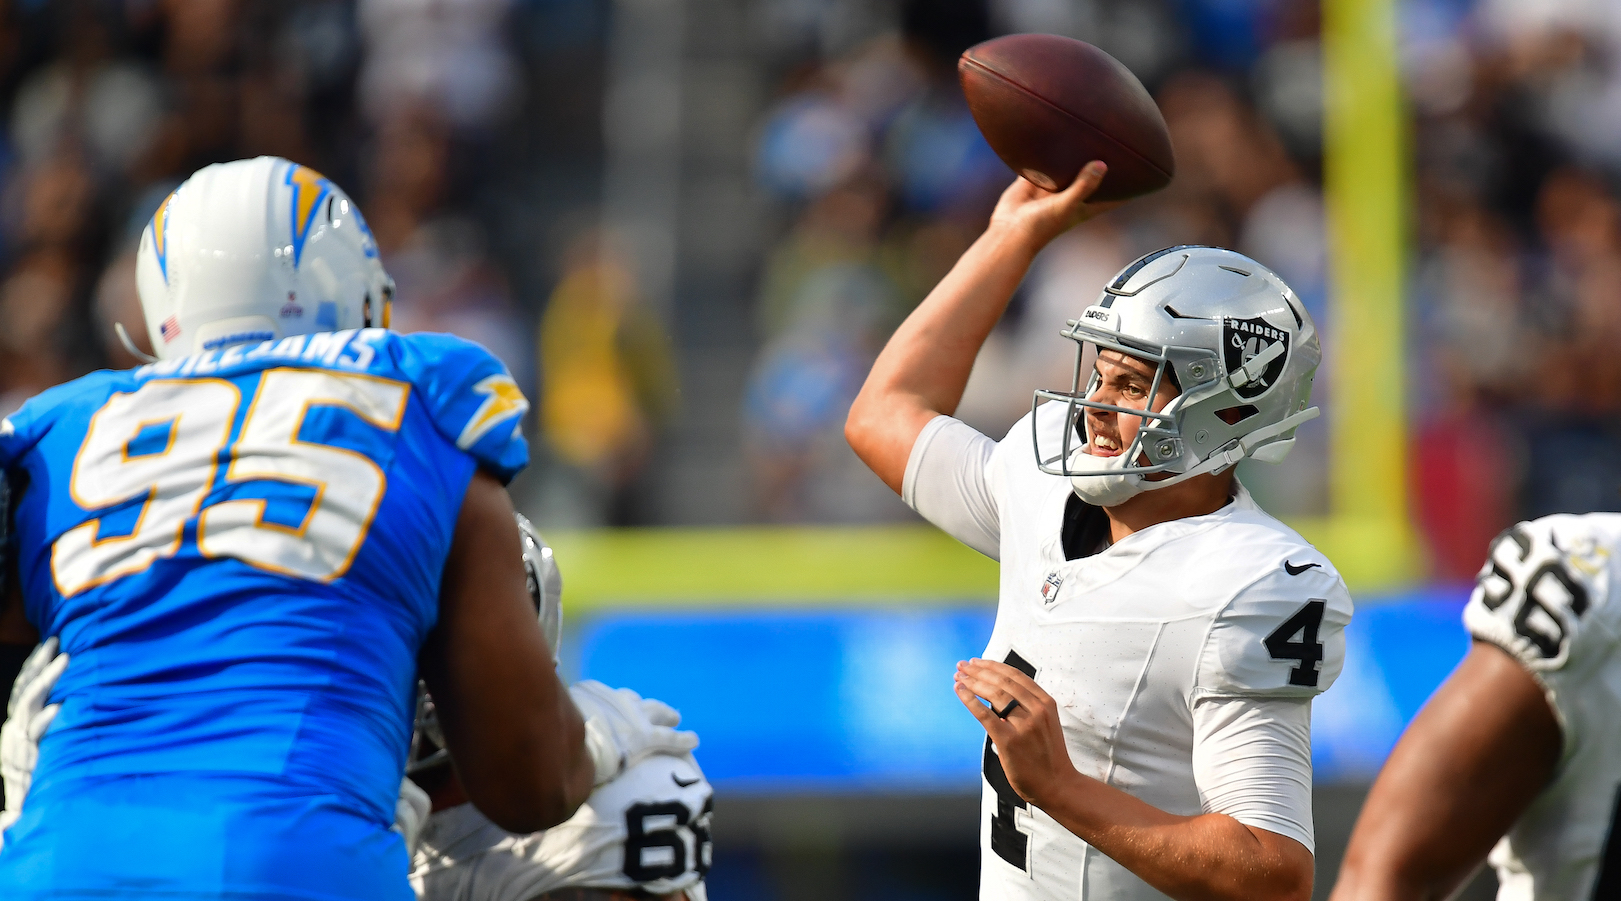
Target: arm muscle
{"points": [[517, 740], [1472, 761]]}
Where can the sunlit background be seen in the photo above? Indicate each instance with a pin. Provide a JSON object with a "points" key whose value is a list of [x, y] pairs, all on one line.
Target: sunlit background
{"points": [[689, 225]]}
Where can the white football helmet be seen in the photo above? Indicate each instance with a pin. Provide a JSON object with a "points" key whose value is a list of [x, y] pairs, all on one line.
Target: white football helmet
{"points": [[1234, 339], [545, 582], [256, 250]]}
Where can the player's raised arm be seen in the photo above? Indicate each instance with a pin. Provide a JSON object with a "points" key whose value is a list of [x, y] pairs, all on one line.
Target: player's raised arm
{"points": [[924, 368], [517, 739]]}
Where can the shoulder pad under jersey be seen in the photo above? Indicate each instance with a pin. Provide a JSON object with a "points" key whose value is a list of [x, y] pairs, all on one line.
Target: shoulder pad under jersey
{"points": [[1544, 586], [1283, 635], [471, 396]]}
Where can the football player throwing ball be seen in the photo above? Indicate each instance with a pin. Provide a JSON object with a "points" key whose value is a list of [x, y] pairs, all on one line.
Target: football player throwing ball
{"points": [[1146, 691]]}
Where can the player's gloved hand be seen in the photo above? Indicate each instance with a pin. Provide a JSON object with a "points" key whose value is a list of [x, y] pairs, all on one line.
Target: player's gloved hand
{"points": [[27, 718], [622, 728], [411, 812]]}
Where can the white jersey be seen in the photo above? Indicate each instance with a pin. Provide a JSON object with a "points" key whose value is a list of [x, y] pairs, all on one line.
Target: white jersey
{"points": [[1183, 658], [647, 829], [1548, 596]]}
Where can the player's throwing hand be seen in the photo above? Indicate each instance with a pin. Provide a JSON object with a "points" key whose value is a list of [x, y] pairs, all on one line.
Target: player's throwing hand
{"points": [[1022, 720], [1041, 215]]}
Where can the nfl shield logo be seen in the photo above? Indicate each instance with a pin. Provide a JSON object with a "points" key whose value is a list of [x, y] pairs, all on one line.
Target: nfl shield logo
{"points": [[1049, 588], [169, 329]]}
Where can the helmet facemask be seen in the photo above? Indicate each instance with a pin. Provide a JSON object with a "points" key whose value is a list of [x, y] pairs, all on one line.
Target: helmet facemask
{"points": [[1157, 448]]}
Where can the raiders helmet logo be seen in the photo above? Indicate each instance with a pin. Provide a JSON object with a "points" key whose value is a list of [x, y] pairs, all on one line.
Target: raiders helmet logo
{"points": [[1243, 340]]}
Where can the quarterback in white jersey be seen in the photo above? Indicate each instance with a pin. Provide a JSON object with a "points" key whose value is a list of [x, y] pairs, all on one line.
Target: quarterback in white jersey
{"points": [[1159, 638], [1519, 751]]}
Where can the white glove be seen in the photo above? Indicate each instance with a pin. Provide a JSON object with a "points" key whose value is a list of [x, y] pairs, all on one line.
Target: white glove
{"points": [[411, 811], [622, 728], [27, 718]]}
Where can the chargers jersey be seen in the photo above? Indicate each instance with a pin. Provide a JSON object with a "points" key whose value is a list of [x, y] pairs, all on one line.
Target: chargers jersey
{"points": [[1183, 658], [241, 550], [647, 829], [1547, 595]]}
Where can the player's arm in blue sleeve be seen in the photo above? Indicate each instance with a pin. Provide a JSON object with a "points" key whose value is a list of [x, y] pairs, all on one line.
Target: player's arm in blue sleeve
{"points": [[472, 398]]}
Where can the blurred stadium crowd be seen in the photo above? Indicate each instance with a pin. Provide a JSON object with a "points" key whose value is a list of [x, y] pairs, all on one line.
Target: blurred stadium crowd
{"points": [[472, 133]]}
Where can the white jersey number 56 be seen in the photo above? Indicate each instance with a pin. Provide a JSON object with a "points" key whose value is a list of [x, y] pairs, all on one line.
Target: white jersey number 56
{"points": [[162, 445]]}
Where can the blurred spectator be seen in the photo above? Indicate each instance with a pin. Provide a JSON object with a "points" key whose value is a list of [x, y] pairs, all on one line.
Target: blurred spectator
{"points": [[608, 382], [894, 180], [878, 180], [450, 56], [110, 105]]}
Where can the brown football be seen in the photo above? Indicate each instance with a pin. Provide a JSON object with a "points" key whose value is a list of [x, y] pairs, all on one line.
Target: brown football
{"points": [[1048, 105]]}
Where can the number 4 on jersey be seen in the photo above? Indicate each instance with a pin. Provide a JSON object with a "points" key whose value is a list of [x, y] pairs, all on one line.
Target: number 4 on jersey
{"points": [[1282, 643], [1007, 840]]}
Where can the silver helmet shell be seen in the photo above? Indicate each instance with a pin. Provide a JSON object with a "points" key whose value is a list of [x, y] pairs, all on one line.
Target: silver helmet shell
{"points": [[545, 582], [1234, 337]]}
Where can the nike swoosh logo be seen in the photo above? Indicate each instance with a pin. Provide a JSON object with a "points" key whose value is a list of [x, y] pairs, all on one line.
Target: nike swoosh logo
{"points": [[1294, 570], [679, 784]]}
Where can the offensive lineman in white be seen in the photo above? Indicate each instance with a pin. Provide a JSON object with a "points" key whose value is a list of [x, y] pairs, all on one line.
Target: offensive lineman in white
{"points": [[1158, 637], [1519, 752]]}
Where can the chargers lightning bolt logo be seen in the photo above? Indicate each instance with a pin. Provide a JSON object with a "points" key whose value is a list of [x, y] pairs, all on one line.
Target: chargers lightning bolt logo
{"points": [[160, 236], [309, 189], [502, 400]]}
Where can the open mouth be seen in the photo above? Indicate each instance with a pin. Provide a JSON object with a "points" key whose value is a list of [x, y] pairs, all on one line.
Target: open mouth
{"points": [[1104, 446]]}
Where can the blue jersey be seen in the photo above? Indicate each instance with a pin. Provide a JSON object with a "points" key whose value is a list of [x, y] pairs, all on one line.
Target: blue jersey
{"points": [[241, 550]]}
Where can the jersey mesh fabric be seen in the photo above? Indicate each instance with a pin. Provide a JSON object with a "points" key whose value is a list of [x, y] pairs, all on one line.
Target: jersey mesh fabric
{"points": [[229, 717]]}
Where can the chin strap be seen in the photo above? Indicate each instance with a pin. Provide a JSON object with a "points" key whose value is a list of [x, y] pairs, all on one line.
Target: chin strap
{"points": [[1239, 448], [129, 345]]}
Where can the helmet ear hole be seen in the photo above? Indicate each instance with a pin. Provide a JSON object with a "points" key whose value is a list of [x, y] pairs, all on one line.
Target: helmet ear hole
{"points": [[1236, 415]]}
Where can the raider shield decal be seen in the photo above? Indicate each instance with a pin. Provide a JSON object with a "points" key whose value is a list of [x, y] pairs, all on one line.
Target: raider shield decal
{"points": [[1245, 339]]}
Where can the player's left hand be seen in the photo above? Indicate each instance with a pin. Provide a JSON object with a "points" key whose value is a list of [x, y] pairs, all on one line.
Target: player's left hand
{"points": [[1028, 738]]}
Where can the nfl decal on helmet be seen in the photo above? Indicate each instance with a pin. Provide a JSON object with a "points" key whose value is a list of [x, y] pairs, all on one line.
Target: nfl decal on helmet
{"points": [[257, 250], [1225, 330]]}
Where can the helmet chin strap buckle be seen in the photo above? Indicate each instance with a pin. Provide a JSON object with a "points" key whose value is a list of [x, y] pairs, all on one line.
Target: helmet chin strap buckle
{"points": [[129, 344]]}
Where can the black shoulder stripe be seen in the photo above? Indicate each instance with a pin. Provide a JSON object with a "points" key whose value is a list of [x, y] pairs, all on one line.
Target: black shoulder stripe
{"points": [[1126, 274]]}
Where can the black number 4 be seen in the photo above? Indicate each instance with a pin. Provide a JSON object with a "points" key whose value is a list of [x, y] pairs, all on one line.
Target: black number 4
{"points": [[1308, 650], [1007, 841]]}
